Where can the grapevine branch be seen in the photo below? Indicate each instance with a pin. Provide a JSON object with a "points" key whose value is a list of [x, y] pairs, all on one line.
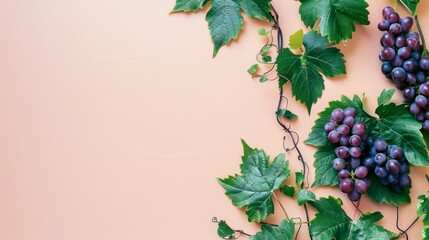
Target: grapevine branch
{"points": [[238, 232], [425, 51]]}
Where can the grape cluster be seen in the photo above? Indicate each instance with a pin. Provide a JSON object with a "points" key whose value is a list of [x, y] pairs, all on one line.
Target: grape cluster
{"points": [[388, 163], [404, 64], [350, 135]]}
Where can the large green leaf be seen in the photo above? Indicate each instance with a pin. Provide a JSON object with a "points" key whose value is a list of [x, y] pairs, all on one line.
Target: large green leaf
{"points": [[189, 5], [284, 231], [255, 187], [331, 222], [422, 212], [259, 9], [410, 5], [337, 17], [326, 175], [303, 70], [385, 194]]}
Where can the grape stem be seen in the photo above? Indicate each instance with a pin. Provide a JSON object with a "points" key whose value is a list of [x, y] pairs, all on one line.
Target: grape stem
{"points": [[425, 51], [281, 205], [395, 5]]}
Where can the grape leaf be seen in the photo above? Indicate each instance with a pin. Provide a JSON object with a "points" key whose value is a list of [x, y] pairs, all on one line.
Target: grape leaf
{"points": [[326, 175], [265, 50], [305, 196], [263, 32], [252, 70], [286, 114], [255, 187], [410, 5], [385, 96], [266, 59], [337, 17], [299, 178], [259, 9], [384, 194], [189, 5], [288, 190], [331, 222], [303, 70], [422, 212], [263, 79], [284, 231], [225, 231], [295, 40]]}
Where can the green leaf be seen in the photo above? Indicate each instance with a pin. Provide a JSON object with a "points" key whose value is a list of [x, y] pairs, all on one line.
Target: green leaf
{"points": [[189, 5], [295, 40], [256, 184], [252, 70], [288, 190], [266, 59], [386, 96], [225, 22], [286, 114], [305, 196], [337, 17], [264, 51], [410, 5], [331, 222], [263, 79], [303, 71], [299, 178], [224, 231], [263, 32], [422, 212], [326, 175], [259, 9], [384, 194], [284, 231]]}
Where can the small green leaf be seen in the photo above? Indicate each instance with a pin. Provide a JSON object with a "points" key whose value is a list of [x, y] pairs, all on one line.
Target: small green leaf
{"points": [[252, 70], [189, 5], [266, 59], [410, 5], [284, 231], [299, 178], [305, 196], [263, 32], [259, 9], [286, 114], [224, 231], [295, 40], [288, 190], [386, 96], [257, 182], [264, 51], [263, 79], [422, 212]]}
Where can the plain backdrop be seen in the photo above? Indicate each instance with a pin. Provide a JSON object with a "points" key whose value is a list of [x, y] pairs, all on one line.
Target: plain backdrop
{"points": [[116, 121]]}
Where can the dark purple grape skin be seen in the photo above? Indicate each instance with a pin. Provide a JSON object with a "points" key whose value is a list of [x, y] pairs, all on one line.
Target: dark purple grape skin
{"points": [[426, 125], [414, 35], [400, 85], [424, 64], [404, 180], [361, 186], [393, 17], [410, 78], [395, 28], [344, 140], [404, 167], [367, 181], [411, 65], [407, 23], [346, 185], [421, 101], [397, 61], [343, 152], [359, 129], [396, 152], [380, 145], [408, 94], [380, 159], [400, 41], [373, 151], [386, 11], [398, 74], [369, 142], [355, 140], [334, 136], [369, 162], [392, 178], [354, 163], [338, 164], [329, 127], [414, 108], [416, 55], [383, 25], [349, 121], [388, 54], [386, 67], [421, 116], [404, 52], [426, 114], [424, 89], [343, 130], [350, 112], [393, 166], [412, 43], [344, 173], [337, 115], [354, 196], [361, 172], [355, 152], [421, 77], [380, 171], [388, 39]]}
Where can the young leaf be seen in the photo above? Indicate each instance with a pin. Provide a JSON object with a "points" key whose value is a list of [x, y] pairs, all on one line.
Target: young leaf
{"points": [[263, 79], [337, 17], [266, 59], [288, 190], [286, 114], [256, 184], [263, 32], [386, 96], [305, 196], [331, 222], [265, 50], [224, 231], [385, 194], [284, 231], [225, 22], [299, 178], [252, 70], [410, 5], [189, 5], [295, 40], [422, 212], [303, 71]]}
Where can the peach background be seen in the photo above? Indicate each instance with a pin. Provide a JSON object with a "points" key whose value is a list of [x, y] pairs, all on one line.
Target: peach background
{"points": [[116, 120]]}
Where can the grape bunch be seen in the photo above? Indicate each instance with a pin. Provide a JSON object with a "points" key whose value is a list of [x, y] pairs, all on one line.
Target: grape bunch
{"points": [[388, 163], [349, 135], [404, 64]]}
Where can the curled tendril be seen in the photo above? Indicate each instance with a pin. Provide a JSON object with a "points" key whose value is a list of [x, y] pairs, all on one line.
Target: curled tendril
{"points": [[237, 233], [299, 228], [214, 220]]}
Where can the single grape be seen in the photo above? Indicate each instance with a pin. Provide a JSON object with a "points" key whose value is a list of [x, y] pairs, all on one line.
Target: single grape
{"points": [[380, 159], [404, 167], [400, 85], [406, 23], [400, 41], [396, 152], [350, 112], [420, 116], [355, 152], [380, 171], [388, 54], [410, 78], [367, 181], [361, 186], [426, 125], [392, 178], [398, 74], [386, 11], [373, 151], [421, 101], [393, 166], [369, 142], [404, 52], [344, 140], [354, 163], [380, 145], [404, 180], [355, 140], [395, 28], [386, 67], [414, 108], [359, 129], [426, 114], [411, 65], [408, 94], [346, 185], [329, 127], [414, 35], [354, 195], [369, 162], [338, 164], [337, 115], [361, 172], [424, 64], [349, 121], [343, 130], [424, 89], [421, 77], [383, 25], [343, 152], [397, 61], [344, 173], [393, 17], [334, 136], [412, 43], [416, 55]]}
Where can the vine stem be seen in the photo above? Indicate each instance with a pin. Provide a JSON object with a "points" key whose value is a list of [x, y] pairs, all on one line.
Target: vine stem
{"points": [[281, 205], [395, 5], [416, 20]]}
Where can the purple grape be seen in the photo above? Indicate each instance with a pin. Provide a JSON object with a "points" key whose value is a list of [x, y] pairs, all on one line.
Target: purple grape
{"points": [[359, 129], [400, 41], [414, 108], [344, 140], [393, 17], [329, 127], [404, 167], [354, 163], [414, 35], [344, 173], [354, 195], [411, 65], [338, 164], [361, 186], [396, 152], [386, 67], [383, 25], [386, 11], [421, 101], [343, 130], [355, 152], [404, 180], [416, 55], [334, 136], [369, 162], [392, 178], [380, 171], [349, 121], [421, 77], [355, 140], [404, 52], [350, 112], [410, 78], [380, 145], [380, 159], [426, 125], [369, 142], [420, 116], [395, 28], [337, 115], [398, 74], [361, 172], [426, 114], [424, 64], [393, 166], [397, 61], [373, 151], [412, 43], [400, 85], [388, 54], [346, 185], [407, 23], [408, 94], [343, 152], [424, 89], [367, 181]]}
